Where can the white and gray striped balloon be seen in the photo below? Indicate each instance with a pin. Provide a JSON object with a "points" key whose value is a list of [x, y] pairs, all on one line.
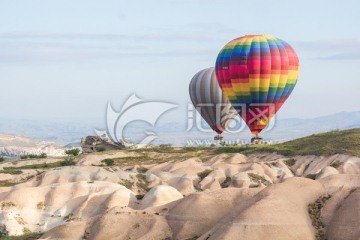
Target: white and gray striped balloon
{"points": [[209, 100]]}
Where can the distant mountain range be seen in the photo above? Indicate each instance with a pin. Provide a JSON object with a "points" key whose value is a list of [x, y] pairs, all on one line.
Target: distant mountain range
{"points": [[54, 131], [282, 130], [61, 134]]}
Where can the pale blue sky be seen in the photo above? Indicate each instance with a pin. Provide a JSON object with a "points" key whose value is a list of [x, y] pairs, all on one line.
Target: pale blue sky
{"points": [[67, 59]]}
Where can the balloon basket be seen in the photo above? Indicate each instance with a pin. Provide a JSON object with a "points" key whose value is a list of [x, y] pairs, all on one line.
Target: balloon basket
{"points": [[218, 137], [257, 140]]}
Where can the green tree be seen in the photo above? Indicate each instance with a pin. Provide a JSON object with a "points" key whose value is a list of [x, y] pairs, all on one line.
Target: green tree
{"points": [[73, 152], [108, 162]]}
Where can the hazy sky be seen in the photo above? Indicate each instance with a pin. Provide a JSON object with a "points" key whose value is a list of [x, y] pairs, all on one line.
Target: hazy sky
{"points": [[67, 59]]}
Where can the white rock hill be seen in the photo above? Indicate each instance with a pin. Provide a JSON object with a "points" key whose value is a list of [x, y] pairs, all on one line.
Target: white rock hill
{"points": [[15, 145]]}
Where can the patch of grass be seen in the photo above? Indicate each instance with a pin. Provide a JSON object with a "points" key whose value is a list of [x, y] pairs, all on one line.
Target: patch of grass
{"points": [[142, 183], [40, 205], [5, 205], [197, 148], [66, 162], [170, 149], [130, 160], [8, 183], [11, 171], [143, 186], [227, 149], [108, 162], [71, 218], [137, 225], [133, 158], [257, 178], [29, 236], [204, 174], [141, 176], [73, 152], [335, 164], [271, 164], [126, 183], [20, 220], [314, 210], [27, 231], [290, 162], [33, 156], [100, 148], [323, 144]]}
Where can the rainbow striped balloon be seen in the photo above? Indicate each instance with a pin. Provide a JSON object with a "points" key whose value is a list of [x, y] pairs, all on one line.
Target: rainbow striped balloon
{"points": [[257, 73]]}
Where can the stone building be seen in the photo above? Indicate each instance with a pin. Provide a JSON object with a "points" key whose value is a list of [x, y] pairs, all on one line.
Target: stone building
{"points": [[91, 144]]}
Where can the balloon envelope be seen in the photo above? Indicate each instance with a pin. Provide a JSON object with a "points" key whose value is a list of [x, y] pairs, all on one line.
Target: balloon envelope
{"points": [[257, 73], [209, 100]]}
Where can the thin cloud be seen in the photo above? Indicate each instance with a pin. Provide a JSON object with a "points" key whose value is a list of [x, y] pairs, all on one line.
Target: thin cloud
{"points": [[52, 53], [342, 49], [56, 47], [179, 37]]}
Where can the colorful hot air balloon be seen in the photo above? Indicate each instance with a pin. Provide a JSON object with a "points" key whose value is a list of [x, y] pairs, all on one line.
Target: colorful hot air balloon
{"points": [[257, 73], [210, 101]]}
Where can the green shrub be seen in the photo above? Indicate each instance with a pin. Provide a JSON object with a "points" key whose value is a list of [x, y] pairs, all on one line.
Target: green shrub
{"points": [[1, 159], [290, 162], [108, 162], [100, 148], [74, 151], [67, 162]]}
